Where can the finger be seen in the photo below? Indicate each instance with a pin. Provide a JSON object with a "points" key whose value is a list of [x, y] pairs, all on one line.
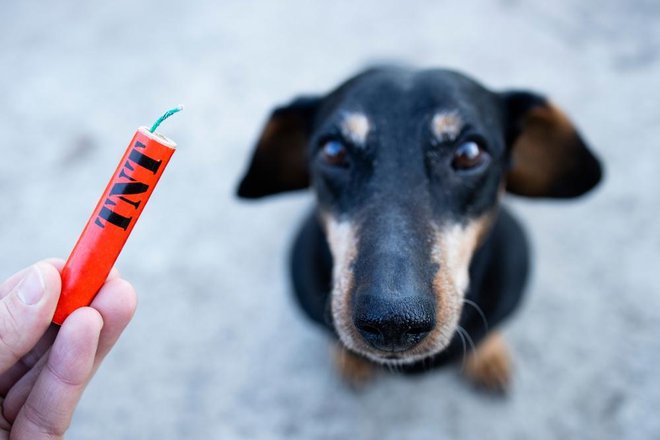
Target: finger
{"points": [[19, 392], [13, 379], [114, 273], [13, 280], [10, 377], [116, 302], [50, 405], [26, 312], [58, 263]]}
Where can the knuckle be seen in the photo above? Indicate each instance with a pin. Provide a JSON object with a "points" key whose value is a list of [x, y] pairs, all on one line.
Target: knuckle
{"points": [[10, 336], [61, 377], [42, 420]]}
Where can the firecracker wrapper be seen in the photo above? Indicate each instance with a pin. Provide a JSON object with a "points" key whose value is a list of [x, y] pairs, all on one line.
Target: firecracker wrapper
{"points": [[113, 220]]}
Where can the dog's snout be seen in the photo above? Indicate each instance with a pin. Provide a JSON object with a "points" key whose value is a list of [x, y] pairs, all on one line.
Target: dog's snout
{"points": [[393, 324]]}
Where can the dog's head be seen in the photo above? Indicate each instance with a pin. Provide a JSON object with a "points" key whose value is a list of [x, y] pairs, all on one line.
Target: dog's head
{"points": [[408, 168]]}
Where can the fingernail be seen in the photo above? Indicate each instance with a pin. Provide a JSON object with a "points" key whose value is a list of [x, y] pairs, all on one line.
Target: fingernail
{"points": [[32, 287]]}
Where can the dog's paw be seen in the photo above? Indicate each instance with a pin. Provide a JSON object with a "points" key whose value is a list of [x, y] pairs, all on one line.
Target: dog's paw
{"points": [[489, 366], [354, 370]]}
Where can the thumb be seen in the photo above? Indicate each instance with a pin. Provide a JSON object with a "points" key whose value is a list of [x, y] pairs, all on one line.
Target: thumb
{"points": [[26, 310]]}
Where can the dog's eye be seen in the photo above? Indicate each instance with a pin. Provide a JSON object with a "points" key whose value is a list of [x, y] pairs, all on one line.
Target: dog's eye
{"points": [[468, 155], [334, 153]]}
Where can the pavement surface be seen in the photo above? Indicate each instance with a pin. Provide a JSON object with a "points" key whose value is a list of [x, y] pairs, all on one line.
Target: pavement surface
{"points": [[217, 349]]}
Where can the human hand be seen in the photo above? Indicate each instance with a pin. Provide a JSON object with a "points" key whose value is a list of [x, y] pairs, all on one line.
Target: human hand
{"points": [[44, 368]]}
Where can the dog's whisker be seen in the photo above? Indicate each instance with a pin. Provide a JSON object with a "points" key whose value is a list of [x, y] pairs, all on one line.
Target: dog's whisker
{"points": [[459, 333], [469, 339], [479, 311]]}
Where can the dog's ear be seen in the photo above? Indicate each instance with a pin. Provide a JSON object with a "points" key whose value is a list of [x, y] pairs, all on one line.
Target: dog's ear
{"points": [[279, 162], [549, 158]]}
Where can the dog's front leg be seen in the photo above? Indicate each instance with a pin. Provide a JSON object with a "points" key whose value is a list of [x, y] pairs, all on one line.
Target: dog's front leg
{"points": [[489, 365]]}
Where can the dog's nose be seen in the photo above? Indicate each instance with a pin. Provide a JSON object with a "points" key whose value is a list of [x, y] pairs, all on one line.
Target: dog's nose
{"points": [[393, 324]]}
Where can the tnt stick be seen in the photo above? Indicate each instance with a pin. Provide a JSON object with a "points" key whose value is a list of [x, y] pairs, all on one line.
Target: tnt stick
{"points": [[113, 219]]}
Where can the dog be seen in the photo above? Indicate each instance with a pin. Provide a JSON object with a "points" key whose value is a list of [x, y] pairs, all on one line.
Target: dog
{"points": [[409, 256]]}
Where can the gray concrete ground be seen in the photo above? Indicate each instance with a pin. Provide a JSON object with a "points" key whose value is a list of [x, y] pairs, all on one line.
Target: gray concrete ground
{"points": [[217, 348]]}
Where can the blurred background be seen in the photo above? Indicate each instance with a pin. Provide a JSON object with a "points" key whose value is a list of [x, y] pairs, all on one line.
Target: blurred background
{"points": [[218, 348]]}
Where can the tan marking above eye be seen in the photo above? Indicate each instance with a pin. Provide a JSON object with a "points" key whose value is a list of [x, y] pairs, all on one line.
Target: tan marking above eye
{"points": [[446, 126], [355, 127]]}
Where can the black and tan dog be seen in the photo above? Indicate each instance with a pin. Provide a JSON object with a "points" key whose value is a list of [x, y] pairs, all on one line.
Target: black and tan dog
{"points": [[409, 253]]}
